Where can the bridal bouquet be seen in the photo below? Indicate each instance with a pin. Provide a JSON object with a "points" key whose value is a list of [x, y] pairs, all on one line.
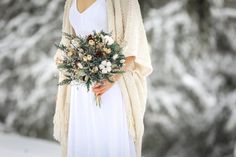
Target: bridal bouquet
{"points": [[90, 59]]}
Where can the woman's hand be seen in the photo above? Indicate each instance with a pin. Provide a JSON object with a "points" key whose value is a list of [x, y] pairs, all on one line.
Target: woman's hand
{"points": [[100, 88]]}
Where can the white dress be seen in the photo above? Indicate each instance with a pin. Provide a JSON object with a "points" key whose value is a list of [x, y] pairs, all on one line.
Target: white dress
{"points": [[94, 131]]}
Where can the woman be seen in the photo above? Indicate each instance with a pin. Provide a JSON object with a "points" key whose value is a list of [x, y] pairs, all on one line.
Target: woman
{"points": [[116, 128]]}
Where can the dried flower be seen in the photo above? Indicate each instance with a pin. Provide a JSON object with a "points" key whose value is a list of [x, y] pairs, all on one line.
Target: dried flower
{"points": [[91, 42], [89, 37], [107, 50], [85, 58], [69, 53], [98, 54], [89, 57], [59, 61], [95, 69]]}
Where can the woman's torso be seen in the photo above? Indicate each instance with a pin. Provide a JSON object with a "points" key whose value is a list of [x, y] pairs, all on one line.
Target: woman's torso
{"points": [[92, 18]]}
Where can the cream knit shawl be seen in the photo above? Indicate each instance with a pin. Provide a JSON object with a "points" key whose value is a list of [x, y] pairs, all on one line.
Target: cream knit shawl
{"points": [[125, 21]]}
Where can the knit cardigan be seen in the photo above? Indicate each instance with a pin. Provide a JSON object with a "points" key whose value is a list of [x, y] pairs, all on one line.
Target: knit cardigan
{"points": [[126, 24]]}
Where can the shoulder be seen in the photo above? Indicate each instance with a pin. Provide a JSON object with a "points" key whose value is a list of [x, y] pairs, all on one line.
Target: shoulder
{"points": [[67, 4], [130, 4]]}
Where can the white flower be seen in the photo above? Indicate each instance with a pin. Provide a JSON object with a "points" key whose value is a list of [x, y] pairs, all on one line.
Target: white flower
{"points": [[81, 55], [91, 42], [79, 65], [80, 50], [105, 66], [115, 56], [107, 39]]}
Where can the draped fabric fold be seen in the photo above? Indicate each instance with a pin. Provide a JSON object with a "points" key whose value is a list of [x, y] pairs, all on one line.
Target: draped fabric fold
{"points": [[125, 22]]}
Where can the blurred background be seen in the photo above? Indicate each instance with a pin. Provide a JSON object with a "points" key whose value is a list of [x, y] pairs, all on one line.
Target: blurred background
{"points": [[191, 108]]}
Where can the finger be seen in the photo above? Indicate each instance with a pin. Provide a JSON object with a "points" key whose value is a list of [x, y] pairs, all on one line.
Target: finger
{"points": [[98, 85], [96, 92], [97, 89], [100, 94], [103, 90]]}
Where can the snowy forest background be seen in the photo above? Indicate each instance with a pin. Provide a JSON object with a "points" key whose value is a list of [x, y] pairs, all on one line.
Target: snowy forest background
{"points": [[192, 92]]}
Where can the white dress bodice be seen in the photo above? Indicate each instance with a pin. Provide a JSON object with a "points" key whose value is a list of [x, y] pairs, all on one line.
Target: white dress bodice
{"points": [[93, 18]]}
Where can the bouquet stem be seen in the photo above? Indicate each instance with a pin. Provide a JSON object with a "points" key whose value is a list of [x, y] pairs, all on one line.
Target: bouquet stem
{"points": [[98, 100]]}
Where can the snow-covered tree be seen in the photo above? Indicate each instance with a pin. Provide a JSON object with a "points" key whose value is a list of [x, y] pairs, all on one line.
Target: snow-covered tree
{"points": [[193, 88], [27, 75]]}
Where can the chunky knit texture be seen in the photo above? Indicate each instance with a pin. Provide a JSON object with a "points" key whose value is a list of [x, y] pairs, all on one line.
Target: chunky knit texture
{"points": [[126, 24]]}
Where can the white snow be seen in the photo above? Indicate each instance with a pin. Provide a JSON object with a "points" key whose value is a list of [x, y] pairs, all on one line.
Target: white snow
{"points": [[12, 145]]}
